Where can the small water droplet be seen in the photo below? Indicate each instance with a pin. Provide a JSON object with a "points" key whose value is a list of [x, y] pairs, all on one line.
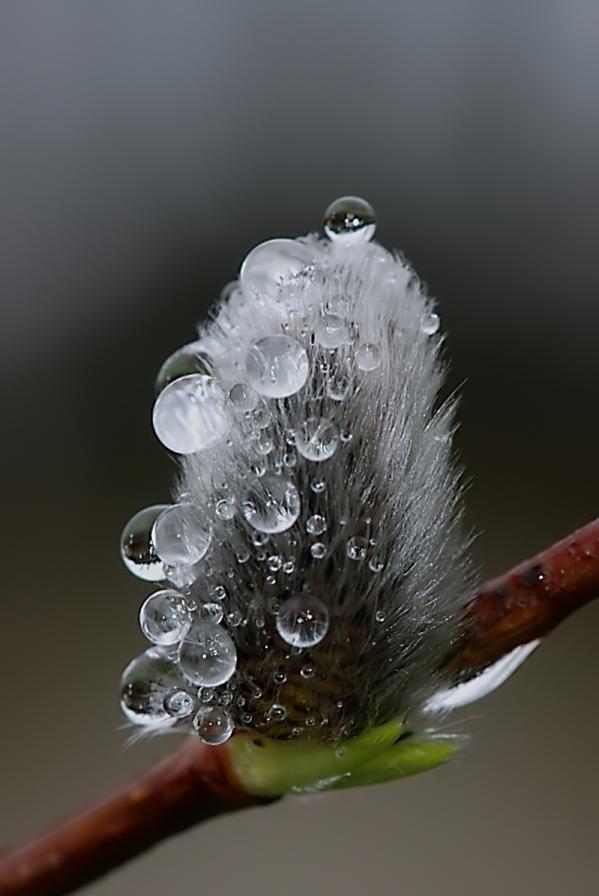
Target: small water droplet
{"points": [[213, 725], [303, 620], [225, 508], [207, 655], [346, 436], [368, 357], [316, 524], [318, 485], [338, 385], [280, 676], [318, 550], [137, 548], [350, 221], [379, 616], [307, 671], [276, 713], [376, 565], [275, 562], [211, 612], [332, 331], [277, 366], [356, 548], [242, 397], [181, 535], [272, 504], [289, 566], [163, 617], [190, 414], [179, 704], [220, 592], [317, 438], [430, 324]]}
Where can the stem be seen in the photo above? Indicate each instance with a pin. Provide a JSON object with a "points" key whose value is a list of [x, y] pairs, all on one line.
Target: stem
{"points": [[194, 784], [530, 600]]}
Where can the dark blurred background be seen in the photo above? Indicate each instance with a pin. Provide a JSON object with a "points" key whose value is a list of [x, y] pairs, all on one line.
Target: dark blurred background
{"points": [[145, 148]]}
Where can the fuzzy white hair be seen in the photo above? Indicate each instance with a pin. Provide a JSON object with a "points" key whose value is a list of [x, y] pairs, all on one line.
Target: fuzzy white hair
{"points": [[391, 566]]}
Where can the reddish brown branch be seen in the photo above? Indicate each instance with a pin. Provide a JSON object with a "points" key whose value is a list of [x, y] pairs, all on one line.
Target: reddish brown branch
{"points": [[191, 785], [196, 783], [531, 599]]}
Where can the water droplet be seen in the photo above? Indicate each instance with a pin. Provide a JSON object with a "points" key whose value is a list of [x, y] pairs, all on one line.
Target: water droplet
{"points": [[318, 486], [276, 713], [332, 331], [211, 612], [317, 438], [265, 444], [356, 548], [316, 524], [137, 548], [338, 385], [275, 562], [206, 695], [181, 535], [303, 621], [318, 550], [243, 398], [259, 539], [272, 264], [187, 360], [190, 414], [289, 566], [207, 655], [376, 565], [272, 504], [368, 357], [277, 366], [163, 617], [350, 221], [144, 685], [225, 508], [307, 671], [346, 436], [280, 676], [220, 592], [379, 616], [430, 324], [179, 704], [213, 725], [262, 416]]}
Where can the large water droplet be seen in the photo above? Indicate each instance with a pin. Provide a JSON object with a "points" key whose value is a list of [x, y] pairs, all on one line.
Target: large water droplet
{"points": [[316, 438], [190, 414], [272, 504], [271, 264], [144, 686], [350, 221], [213, 725], [207, 655], [187, 360], [181, 535], [277, 366], [163, 617], [137, 548], [303, 621]]}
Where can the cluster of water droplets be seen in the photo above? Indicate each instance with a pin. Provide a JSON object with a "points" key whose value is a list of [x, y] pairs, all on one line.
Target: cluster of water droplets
{"points": [[259, 431]]}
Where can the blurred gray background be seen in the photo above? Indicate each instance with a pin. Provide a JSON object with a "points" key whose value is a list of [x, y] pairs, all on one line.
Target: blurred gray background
{"points": [[145, 148]]}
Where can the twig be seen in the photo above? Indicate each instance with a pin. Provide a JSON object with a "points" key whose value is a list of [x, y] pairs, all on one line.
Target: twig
{"points": [[196, 782], [192, 785], [531, 599]]}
